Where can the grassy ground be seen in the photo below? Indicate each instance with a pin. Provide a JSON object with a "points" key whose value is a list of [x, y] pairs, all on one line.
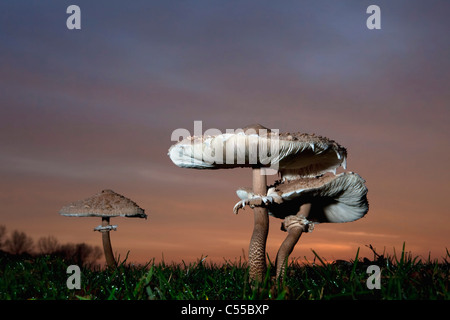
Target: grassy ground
{"points": [[402, 277]]}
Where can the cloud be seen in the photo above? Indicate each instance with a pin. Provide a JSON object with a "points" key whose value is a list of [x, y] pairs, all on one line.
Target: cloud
{"points": [[367, 234]]}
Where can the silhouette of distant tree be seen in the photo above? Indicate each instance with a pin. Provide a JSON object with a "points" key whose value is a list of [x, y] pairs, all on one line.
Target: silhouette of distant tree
{"points": [[48, 245], [2, 236], [80, 253], [19, 243]]}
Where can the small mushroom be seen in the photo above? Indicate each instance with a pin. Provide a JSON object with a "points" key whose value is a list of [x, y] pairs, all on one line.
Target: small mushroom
{"points": [[302, 203], [106, 204], [296, 155]]}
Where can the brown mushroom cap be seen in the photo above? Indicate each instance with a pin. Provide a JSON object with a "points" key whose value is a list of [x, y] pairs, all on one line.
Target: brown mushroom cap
{"points": [[297, 154], [341, 198], [104, 204]]}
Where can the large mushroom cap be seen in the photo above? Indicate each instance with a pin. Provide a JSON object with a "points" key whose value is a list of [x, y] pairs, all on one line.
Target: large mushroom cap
{"points": [[294, 154], [341, 198], [104, 204]]}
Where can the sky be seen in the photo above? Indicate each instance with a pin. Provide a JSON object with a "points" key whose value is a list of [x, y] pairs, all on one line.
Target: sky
{"points": [[92, 109]]}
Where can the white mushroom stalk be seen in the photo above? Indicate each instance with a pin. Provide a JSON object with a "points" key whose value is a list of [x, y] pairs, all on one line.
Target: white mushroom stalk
{"points": [[106, 204], [295, 226], [305, 202], [292, 155]]}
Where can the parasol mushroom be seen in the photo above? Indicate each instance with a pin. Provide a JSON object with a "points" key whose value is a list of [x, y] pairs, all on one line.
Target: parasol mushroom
{"points": [[106, 204], [292, 155], [302, 203]]}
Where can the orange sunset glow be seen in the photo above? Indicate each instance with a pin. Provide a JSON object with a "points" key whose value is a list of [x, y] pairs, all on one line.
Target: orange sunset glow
{"points": [[92, 109]]}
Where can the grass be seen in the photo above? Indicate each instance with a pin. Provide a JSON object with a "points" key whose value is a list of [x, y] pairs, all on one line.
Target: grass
{"points": [[403, 277]]}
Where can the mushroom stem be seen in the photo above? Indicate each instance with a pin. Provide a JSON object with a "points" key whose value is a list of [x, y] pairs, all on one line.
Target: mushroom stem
{"points": [[109, 256], [291, 240], [257, 249], [286, 249]]}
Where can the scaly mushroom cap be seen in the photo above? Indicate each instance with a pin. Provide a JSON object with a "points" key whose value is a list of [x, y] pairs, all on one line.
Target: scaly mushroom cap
{"points": [[294, 154], [104, 204], [341, 198]]}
